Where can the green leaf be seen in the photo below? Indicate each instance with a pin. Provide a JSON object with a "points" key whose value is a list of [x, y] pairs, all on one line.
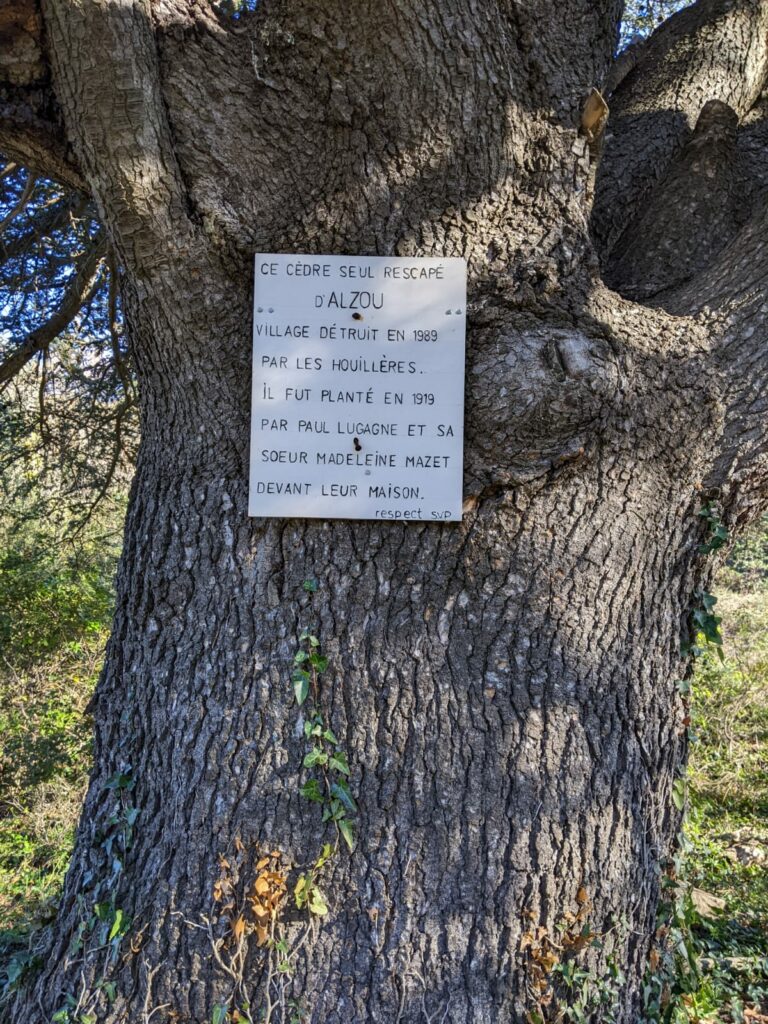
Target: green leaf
{"points": [[109, 988], [120, 925], [679, 793], [339, 762], [340, 789], [708, 600], [348, 832], [310, 586], [319, 663], [311, 791], [300, 893], [315, 756], [300, 686], [120, 780], [219, 1015], [325, 855], [316, 903], [103, 911], [299, 657], [330, 737]]}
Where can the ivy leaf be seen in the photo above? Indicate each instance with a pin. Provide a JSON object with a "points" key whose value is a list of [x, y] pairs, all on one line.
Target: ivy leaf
{"points": [[109, 988], [339, 762], [348, 833], [679, 791], [340, 789], [317, 904], [325, 855], [120, 780], [300, 686], [300, 892], [311, 791], [314, 757], [119, 927], [310, 586], [102, 911]]}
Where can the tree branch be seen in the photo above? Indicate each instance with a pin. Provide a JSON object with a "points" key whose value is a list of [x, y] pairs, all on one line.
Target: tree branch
{"points": [[730, 300], [672, 202], [687, 217], [44, 223], [715, 50], [83, 282], [118, 123], [31, 130], [16, 209], [123, 410]]}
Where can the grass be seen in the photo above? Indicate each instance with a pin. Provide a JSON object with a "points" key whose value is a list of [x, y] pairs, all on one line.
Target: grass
{"points": [[727, 827]]}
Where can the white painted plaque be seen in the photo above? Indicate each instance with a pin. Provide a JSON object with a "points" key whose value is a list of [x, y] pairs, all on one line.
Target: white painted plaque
{"points": [[358, 387]]}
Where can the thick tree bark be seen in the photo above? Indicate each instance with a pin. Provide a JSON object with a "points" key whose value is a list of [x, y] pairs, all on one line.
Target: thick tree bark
{"points": [[505, 688]]}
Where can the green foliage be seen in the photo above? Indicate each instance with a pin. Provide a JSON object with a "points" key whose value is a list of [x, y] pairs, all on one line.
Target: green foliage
{"points": [[331, 788], [586, 993], [705, 624], [45, 753], [717, 533], [50, 597], [713, 965], [307, 892], [730, 716], [708, 965], [746, 569], [55, 606]]}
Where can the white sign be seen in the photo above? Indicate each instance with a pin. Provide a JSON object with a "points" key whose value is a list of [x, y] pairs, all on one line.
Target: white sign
{"points": [[358, 387]]}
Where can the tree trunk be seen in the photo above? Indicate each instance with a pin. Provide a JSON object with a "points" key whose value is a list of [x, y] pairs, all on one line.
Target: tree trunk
{"points": [[505, 689]]}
